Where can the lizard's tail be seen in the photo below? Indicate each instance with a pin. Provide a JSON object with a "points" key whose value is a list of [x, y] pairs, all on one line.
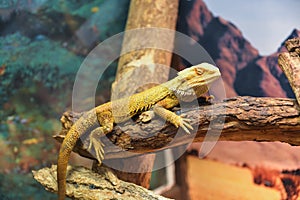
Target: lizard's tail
{"points": [[61, 174], [63, 158], [78, 128]]}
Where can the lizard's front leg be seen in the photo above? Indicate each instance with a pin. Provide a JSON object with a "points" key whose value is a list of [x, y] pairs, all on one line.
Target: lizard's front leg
{"points": [[106, 125], [176, 120]]}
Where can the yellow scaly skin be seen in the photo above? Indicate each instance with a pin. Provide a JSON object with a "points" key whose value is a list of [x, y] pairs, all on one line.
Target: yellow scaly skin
{"points": [[188, 85]]}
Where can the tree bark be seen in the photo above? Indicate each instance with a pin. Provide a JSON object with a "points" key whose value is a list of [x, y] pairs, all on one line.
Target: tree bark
{"points": [[290, 64], [88, 185], [140, 64]]}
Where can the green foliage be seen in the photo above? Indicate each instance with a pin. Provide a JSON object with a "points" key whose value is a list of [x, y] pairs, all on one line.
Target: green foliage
{"points": [[73, 7], [22, 186], [28, 142], [28, 62], [36, 79]]}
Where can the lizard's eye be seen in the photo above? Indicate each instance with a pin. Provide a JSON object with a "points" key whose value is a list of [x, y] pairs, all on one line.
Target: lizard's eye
{"points": [[199, 71]]}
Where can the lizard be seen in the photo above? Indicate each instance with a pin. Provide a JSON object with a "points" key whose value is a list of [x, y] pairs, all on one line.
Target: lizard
{"points": [[188, 85]]}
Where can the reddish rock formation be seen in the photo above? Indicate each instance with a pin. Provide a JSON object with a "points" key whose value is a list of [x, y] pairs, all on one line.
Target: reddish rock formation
{"points": [[199, 13], [228, 48], [220, 38], [263, 77], [245, 72]]}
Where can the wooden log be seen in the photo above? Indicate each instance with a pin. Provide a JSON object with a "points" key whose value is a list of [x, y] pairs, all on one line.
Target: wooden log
{"points": [[137, 57], [237, 119], [83, 183], [140, 67], [292, 44], [290, 64]]}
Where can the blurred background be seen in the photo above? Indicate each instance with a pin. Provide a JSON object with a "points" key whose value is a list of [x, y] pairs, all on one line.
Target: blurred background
{"points": [[43, 44]]}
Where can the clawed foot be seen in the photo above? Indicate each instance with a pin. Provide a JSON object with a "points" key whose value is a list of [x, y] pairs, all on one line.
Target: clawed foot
{"points": [[178, 121], [96, 144], [184, 123]]}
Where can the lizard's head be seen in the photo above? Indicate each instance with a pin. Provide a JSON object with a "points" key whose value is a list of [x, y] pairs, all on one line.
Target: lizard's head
{"points": [[195, 81]]}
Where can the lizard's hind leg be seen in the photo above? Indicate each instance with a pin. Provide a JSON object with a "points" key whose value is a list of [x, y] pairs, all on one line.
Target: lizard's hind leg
{"points": [[106, 125]]}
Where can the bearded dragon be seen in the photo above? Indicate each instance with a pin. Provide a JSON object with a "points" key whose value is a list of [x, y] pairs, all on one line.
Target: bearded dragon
{"points": [[190, 83]]}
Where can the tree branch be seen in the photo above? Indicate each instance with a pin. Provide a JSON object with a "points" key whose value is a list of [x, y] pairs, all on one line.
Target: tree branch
{"points": [[140, 66], [290, 64], [245, 118]]}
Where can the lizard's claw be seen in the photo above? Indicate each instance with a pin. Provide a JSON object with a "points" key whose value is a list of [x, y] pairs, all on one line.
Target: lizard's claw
{"points": [[96, 145], [184, 124]]}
